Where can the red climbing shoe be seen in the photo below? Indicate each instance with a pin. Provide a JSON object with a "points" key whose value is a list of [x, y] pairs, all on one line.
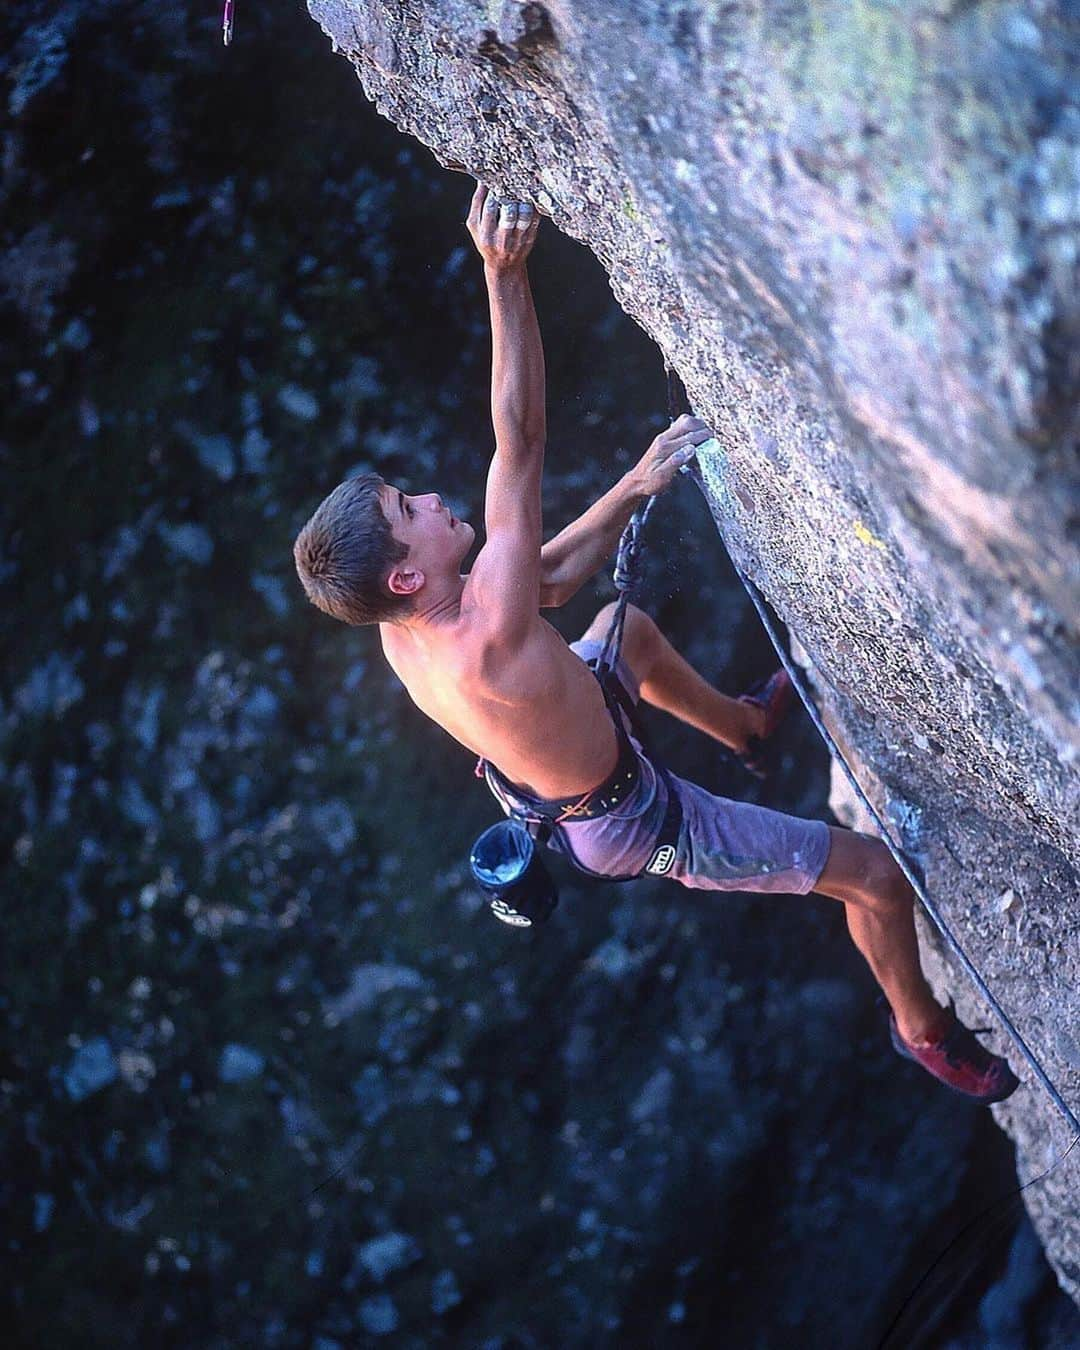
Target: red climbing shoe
{"points": [[774, 695], [957, 1059]]}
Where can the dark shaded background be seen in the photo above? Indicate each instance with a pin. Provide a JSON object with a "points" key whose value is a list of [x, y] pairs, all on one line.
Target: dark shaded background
{"points": [[239, 953]]}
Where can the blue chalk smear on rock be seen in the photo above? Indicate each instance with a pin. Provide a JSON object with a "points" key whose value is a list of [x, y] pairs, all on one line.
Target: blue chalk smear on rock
{"points": [[712, 444]]}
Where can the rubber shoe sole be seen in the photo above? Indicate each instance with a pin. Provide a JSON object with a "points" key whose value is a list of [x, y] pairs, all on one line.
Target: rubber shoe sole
{"points": [[960, 1063]]}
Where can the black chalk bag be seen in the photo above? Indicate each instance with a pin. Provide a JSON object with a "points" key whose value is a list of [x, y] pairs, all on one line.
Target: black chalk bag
{"points": [[507, 866]]}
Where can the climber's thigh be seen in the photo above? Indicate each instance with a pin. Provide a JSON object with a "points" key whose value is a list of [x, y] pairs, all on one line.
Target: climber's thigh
{"points": [[726, 845]]}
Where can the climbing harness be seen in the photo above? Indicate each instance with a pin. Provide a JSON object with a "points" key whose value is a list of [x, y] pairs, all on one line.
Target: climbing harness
{"points": [[677, 395]]}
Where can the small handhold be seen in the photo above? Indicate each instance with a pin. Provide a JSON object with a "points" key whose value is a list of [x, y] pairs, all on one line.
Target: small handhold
{"points": [[523, 26], [486, 39], [519, 30], [385, 54]]}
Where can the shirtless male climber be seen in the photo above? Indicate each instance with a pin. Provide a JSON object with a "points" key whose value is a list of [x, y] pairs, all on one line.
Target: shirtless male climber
{"points": [[475, 655]]}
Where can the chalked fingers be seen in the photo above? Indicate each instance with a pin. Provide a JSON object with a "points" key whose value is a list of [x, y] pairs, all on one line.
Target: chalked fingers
{"points": [[476, 206], [503, 231]]}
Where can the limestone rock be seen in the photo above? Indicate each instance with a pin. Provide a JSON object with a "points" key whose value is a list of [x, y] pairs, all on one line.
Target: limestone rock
{"points": [[853, 230]]}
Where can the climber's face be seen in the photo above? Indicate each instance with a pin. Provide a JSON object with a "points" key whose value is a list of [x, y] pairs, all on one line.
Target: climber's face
{"points": [[437, 541]]}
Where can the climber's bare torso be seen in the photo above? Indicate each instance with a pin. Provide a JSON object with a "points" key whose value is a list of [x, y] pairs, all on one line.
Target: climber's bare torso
{"points": [[531, 707]]}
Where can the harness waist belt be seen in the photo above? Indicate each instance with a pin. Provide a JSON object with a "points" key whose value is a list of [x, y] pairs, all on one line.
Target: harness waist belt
{"points": [[618, 785]]}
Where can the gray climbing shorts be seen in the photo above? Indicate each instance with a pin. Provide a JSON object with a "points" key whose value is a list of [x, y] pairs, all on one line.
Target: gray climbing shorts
{"points": [[723, 845]]}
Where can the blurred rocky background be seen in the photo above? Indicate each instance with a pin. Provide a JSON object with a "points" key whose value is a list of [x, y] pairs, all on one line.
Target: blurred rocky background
{"points": [[239, 954]]}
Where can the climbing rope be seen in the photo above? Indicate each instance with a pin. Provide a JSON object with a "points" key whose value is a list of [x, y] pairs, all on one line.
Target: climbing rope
{"points": [[627, 578], [678, 402]]}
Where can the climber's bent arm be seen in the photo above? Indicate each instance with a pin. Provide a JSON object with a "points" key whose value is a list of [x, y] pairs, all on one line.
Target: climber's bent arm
{"points": [[581, 550]]}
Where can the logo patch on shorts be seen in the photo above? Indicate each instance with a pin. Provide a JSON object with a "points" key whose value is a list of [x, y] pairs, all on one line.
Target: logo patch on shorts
{"points": [[503, 911], [661, 860]]}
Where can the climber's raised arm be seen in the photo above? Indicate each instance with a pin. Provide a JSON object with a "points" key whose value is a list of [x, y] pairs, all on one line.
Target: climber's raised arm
{"points": [[578, 552], [504, 234], [505, 578]]}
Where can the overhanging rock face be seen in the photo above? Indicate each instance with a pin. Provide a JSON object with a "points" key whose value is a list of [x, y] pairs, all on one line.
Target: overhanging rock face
{"points": [[854, 231]]}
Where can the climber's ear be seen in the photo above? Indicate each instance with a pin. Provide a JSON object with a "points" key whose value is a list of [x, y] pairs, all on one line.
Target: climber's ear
{"points": [[404, 580]]}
